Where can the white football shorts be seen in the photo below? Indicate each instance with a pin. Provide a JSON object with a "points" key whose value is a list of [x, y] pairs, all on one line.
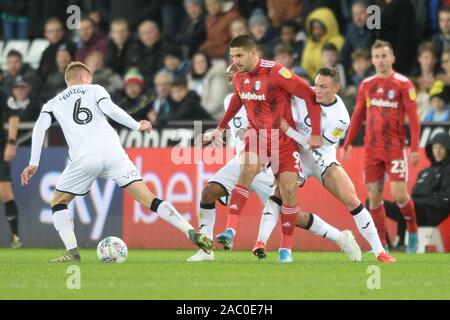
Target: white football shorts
{"points": [[316, 162], [109, 163]]}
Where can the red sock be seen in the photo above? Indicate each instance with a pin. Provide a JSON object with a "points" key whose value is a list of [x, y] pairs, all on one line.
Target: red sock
{"points": [[239, 196], [409, 213], [379, 218], [288, 220]]}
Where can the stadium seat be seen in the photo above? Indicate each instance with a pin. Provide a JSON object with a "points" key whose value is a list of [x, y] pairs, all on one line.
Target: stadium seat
{"points": [[35, 51], [19, 45], [429, 236]]}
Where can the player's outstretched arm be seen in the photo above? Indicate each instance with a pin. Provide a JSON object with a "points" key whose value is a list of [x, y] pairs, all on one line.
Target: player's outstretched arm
{"points": [[116, 113], [233, 108], [37, 140]]}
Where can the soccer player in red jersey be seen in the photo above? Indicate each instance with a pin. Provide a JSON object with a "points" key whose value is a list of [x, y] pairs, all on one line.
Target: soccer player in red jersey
{"points": [[265, 88], [383, 101]]}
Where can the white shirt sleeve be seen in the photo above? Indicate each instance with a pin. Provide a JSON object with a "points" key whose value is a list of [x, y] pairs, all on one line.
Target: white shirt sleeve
{"points": [[40, 127], [114, 111], [298, 137]]}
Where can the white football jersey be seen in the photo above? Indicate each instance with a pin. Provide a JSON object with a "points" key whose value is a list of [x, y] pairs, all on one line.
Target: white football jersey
{"points": [[334, 121], [237, 125], [83, 123]]}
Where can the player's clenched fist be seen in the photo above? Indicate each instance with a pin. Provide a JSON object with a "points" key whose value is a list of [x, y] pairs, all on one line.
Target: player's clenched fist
{"points": [[27, 173], [315, 142], [145, 126]]}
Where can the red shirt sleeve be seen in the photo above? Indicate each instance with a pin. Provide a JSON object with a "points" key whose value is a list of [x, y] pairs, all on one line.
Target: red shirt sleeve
{"points": [[357, 118], [233, 108], [408, 97], [284, 78]]}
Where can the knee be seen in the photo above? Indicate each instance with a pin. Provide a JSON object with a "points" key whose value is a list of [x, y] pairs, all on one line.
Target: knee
{"points": [[288, 189], [375, 200], [209, 195], [5, 194], [401, 199]]}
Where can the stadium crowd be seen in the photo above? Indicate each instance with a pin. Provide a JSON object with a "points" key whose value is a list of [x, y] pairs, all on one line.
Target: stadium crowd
{"points": [[166, 60]]}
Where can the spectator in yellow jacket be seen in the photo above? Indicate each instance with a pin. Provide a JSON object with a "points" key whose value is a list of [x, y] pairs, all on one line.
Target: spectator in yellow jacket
{"points": [[322, 28]]}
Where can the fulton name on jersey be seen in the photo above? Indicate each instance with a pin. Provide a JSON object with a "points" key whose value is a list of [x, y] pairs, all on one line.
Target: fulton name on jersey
{"points": [[70, 92]]}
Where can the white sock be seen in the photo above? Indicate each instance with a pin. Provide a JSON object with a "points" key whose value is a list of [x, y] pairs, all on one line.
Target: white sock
{"points": [[323, 229], [168, 213], [269, 219], [63, 223], [367, 228], [207, 221]]}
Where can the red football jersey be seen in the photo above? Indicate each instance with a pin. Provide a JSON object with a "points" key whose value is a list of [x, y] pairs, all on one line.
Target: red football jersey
{"points": [[383, 103], [266, 92]]}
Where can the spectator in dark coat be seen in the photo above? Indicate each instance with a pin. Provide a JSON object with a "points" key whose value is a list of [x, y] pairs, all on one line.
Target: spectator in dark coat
{"points": [[40, 11], [357, 36], [20, 100], [160, 105], [442, 38], [288, 36], [118, 46], [175, 63], [431, 192], [193, 31], [15, 67], [55, 82], [90, 39], [55, 34], [264, 36], [398, 21], [185, 104], [218, 23], [148, 53], [135, 11]]}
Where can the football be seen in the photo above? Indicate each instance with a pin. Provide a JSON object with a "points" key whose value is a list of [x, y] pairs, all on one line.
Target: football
{"points": [[112, 250]]}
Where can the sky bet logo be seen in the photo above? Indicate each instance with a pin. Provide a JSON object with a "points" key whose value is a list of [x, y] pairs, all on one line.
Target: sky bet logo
{"points": [[252, 96]]}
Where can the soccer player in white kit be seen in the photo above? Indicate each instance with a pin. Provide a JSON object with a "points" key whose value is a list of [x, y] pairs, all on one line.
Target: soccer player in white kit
{"points": [[322, 164], [82, 111], [220, 185]]}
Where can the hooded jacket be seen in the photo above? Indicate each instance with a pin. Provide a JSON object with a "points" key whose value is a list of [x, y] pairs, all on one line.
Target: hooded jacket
{"points": [[432, 187], [312, 54]]}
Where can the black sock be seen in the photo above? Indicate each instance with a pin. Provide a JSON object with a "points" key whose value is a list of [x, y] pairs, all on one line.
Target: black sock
{"points": [[155, 204], [12, 214]]}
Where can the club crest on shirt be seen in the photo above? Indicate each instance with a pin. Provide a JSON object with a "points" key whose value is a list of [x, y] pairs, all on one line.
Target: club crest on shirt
{"points": [[285, 73], [257, 84], [412, 94], [337, 132], [391, 94]]}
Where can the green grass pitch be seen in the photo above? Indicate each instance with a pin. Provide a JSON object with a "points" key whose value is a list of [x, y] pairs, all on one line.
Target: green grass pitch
{"points": [[165, 274]]}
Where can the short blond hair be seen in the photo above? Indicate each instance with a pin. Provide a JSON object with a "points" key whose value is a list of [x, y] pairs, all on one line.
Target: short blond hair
{"points": [[74, 68]]}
